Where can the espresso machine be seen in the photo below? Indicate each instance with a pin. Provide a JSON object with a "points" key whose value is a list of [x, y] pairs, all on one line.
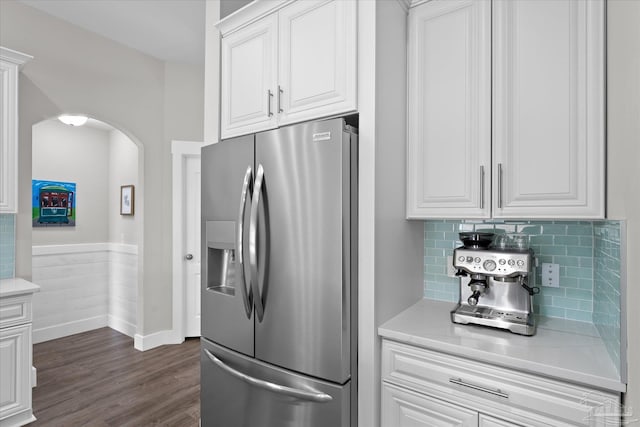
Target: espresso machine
{"points": [[494, 284]]}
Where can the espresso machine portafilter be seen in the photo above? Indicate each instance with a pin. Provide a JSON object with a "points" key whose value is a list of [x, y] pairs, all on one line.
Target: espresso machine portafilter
{"points": [[494, 286]]}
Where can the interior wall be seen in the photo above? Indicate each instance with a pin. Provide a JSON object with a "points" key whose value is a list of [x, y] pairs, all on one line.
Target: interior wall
{"points": [[227, 7], [623, 154], [123, 170], [78, 71], [73, 154]]}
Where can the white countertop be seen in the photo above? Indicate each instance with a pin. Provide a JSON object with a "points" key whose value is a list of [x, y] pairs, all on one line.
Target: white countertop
{"points": [[16, 286], [566, 350]]}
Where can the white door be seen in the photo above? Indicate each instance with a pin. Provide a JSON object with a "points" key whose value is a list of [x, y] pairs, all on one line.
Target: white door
{"points": [[192, 246], [317, 50], [449, 95], [248, 78], [548, 133]]}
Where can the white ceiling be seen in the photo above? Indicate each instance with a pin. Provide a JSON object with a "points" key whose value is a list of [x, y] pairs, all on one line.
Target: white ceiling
{"points": [[170, 30]]}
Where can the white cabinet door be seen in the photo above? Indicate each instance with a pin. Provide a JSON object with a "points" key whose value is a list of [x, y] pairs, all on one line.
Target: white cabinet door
{"points": [[449, 138], [548, 103], [249, 78], [317, 64], [290, 65], [488, 421], [15, 371], [10, 62], [404, 408]]}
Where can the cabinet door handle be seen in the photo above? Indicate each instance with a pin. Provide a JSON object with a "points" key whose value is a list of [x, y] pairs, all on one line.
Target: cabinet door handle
{"points": [[500, 185], [495, 392], [481, 187], [269, 96], [280, 92]]}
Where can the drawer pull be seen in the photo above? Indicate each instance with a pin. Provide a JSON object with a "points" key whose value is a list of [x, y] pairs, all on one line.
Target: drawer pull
{"points": [[496, 392]]}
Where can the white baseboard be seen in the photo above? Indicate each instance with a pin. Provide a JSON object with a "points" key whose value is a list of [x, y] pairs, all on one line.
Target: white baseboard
{"points": [[70, 328], [156, 339], [122, 326]]}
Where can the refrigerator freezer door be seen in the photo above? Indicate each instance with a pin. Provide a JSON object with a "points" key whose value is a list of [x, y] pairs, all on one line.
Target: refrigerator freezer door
{"points": [[227, 316], [304, 249], [242, 392]]}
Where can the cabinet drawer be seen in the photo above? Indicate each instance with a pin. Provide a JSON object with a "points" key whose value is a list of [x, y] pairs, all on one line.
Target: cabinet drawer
{"points": [[15, 310], [488, 388], [402, 408]]}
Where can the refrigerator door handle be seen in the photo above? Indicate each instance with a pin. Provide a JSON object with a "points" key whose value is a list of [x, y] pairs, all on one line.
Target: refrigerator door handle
{"points": [[253, 243], [247, 296], [312, 395]]}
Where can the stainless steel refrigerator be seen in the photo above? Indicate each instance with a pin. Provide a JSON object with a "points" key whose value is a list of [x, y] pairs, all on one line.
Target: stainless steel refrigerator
{"points": [[279, 278]]}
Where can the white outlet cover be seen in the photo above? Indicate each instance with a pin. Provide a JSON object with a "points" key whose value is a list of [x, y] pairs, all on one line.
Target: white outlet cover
{"points": [[550, 275]]}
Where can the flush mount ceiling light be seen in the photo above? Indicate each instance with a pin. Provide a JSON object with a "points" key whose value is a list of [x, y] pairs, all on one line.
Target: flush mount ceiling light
{"points": [[72, 120]]}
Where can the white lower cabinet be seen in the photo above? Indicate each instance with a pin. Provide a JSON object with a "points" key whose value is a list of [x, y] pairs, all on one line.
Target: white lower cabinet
{"points": [[422, 387], [15, 371], [404, 408], [488, 421], [16, 354]]}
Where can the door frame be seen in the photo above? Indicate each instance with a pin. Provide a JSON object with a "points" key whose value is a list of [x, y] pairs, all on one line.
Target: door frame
{"points": [[180, 150]]}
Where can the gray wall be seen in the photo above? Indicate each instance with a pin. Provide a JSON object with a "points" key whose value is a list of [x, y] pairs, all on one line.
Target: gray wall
{"points": [[227, 7], [74, 154], [623, 160], [123, 170], [78, 71]]}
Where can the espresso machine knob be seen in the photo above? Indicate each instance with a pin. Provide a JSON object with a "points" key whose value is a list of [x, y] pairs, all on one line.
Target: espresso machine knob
{"points": [[489, 265]]}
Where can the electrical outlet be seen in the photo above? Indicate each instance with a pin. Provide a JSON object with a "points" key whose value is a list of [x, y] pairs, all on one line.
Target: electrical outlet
{"points": [[451, 270], [550, 275]]}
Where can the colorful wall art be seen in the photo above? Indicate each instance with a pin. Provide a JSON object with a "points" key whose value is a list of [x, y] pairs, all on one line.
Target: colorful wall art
{"points": [[53, 203]]}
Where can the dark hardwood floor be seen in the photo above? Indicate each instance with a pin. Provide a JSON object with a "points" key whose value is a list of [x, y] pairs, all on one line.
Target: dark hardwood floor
{"points": [[97, 378]]}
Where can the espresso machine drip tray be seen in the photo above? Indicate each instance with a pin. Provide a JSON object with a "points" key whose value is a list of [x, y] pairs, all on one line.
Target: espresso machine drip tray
{"points": [[517, 322]]}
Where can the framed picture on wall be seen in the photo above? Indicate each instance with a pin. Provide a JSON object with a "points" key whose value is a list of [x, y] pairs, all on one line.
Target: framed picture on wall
{"points": [[53, 203], [127, 195]]}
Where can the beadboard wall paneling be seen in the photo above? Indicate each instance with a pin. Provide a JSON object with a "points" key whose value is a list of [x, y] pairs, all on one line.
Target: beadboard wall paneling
{"points": [[84, 287], [123, 288]]}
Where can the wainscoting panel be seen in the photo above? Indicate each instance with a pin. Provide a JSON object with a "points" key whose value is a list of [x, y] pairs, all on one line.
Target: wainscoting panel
{"points": [[123, 288], [83, 287]]}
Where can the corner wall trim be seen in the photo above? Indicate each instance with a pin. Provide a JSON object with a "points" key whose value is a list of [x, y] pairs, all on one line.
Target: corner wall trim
{"points": [[156, 339], [122, 326]]}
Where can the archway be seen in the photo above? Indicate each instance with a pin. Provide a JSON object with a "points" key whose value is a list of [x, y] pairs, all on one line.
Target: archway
{"points": [[89, 266]]}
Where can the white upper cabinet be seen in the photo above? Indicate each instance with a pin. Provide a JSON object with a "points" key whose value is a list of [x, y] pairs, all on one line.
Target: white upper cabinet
{"points": [[548, 105], [449, 138], [10, 62], [249, 75], [287, 62], [317, 71], [506, 109]]}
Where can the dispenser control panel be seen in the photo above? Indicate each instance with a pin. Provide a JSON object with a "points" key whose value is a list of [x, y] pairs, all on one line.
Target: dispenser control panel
{"points": [[494, 263]]}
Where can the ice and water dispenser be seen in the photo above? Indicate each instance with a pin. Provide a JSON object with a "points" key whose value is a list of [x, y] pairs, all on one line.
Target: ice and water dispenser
{"points": [[221, 256]]}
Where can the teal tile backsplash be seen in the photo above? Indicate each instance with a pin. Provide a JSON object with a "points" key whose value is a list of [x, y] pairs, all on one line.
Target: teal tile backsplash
{"points": [[608, 290], [567, 243], [7, 245]]}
